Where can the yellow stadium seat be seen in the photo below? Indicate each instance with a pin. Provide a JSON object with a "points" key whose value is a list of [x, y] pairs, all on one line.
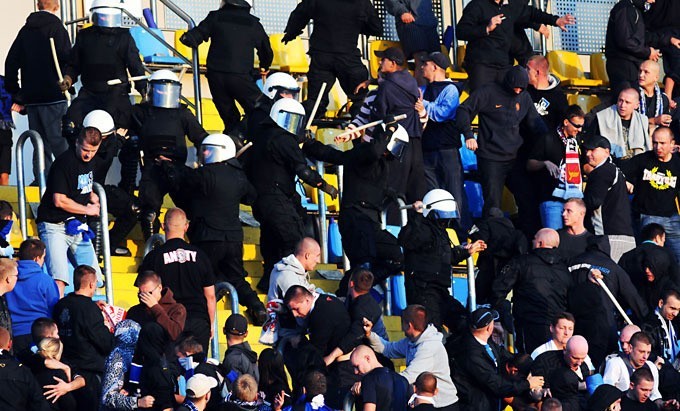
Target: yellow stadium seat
{"points": [[585, 101], [373, 60], [456, 75], [566, 66], [598, 68], [327, 136], [186, 51], [508, 203], [464, 96], [291, 57], [312, 193]]}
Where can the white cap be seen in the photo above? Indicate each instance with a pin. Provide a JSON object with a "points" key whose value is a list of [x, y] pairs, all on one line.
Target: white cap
{"points": [[199, 385]]}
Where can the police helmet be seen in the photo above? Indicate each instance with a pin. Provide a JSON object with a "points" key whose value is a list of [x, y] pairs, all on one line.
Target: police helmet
{"points": [[101, 120], [440, 204], [279, 82], [164, 89], [398, 142], [107, 13], [217, 148], [289, 114]]}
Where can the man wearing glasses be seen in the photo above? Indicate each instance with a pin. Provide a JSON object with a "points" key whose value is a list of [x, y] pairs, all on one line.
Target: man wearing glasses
{"points": [[554, 167]]}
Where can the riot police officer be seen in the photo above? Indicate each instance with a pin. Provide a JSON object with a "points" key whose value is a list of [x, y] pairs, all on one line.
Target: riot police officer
{"points": [[162, 123], [276, 159], [218, 186]]}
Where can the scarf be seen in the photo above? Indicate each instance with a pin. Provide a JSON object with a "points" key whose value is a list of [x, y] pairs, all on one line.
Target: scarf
{"points": [[570, 184], [659, 101], [126, 335]]}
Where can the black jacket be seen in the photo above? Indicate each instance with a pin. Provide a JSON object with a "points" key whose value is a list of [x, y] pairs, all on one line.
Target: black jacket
{"points": [[653, 327], [493, 49], [540, 281], [233, 34], [31, 53], [479, 381], [337, 24], [500, 112], [661, 263], [364, 306], [329, 324], [397, 94], [551, 103], [607, 205], [562, 381], [87, 341], [627, 37], [19, 390]]}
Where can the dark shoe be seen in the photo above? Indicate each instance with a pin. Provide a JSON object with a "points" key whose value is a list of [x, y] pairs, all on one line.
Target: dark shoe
{"points": [[257, 315], [121, 252], [263, 285]]}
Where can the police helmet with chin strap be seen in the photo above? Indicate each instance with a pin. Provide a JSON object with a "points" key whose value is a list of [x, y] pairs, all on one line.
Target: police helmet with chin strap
{"points": [[440, 205], [289, 114], [216, 148], [106, 13]]}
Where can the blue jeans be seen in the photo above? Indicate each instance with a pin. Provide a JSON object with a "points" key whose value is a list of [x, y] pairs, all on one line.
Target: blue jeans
{"points": [[64, 252], [671, 225], [551, 214]]}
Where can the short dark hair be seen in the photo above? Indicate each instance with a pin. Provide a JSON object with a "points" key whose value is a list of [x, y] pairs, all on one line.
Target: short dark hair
{"points": [[80, 273], [416, 315], [362, 280], [651, 231], [563, 316], [90, 135], [6, 209], [426, 382], [642, 373], [671, 292], [188, 343], [146, 276], [296, 293], [551, 404], [31, 249], [640, 337], [572, 111], [315, 384], [41, 327]]}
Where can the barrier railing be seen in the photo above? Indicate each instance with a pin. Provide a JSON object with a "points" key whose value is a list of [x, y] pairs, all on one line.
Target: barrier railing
{"points": [[348, 402], [221, 290], [38, 146], [323, 229], [152, 242], [106, 243], [472, 289]]}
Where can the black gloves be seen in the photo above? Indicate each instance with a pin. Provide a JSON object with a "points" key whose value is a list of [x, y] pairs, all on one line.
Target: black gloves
{"points": [[327, 188]]}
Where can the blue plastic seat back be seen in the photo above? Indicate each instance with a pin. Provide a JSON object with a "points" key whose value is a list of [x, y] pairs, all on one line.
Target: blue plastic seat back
{"points": [[473, 190], [151, 49]]}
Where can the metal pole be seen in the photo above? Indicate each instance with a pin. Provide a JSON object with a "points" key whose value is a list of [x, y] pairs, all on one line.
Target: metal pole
{"points": [[472, 289], [341, 187], [157, 238], [38, 146], [544, 43], [73, 16], [222, 289], [106, 243], [323, 230], [154, 9], [454, 44], [62, 11]]}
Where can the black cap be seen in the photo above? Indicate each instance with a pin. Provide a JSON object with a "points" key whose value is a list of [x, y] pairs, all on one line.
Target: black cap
{"points": [[597, 141], [481, 317], [439, 58], [393, 53], [236, 325]]}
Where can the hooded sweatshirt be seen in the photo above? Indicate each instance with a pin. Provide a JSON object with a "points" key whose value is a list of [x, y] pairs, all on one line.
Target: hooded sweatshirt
{"points": [[170, 314], [287, 273], [34, 296], [427, 353], [397, 94], [550, 102], [500, 111]]}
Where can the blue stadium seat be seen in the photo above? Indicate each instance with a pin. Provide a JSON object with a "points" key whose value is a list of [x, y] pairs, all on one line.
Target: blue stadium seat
{"points": [[152, 50], [468, 158], [473, 190]]}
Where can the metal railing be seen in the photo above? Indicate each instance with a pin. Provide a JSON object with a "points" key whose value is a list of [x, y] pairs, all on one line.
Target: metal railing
{"points": [[38, 147], [152, 242], [403, 214], [323, 230], [106, 243], [348, 402], [472, 289], [222, 290]]}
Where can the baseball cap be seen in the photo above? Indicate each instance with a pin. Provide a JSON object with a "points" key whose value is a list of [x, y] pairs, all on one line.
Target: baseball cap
{"points": [[481, 317], [439, 58], [393, 53], [597, 141], [199, 385], [236, 325]]}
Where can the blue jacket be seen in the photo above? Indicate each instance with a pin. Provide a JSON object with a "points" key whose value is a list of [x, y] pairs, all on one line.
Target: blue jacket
{"points": [[34, 296]]}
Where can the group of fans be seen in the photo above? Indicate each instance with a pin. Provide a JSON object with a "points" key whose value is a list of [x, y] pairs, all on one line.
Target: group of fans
{"points": [[596, 192]]}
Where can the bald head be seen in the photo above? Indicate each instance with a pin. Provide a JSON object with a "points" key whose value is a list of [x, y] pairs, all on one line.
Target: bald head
{"points": [[308, 253], [175, 223], [576, 352], [48, 5], [537, 69], [626, 334], [648, 74], [363, 360], [546, 238]]}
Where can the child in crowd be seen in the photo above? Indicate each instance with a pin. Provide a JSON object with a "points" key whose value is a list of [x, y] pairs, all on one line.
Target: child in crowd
{"points": [[239, 359]]}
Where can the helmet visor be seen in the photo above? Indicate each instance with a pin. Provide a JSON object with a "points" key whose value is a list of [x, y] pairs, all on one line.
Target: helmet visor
{"points": [[210, 153], [164, 94], [283, 92], [292, 122], [107, 17], [396, 148], [445, 215]]}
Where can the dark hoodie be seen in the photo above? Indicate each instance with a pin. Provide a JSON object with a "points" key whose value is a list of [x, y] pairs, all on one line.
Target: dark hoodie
{"points": [[397, 94], [626, 35], [660, 261], [240, 359], [31, 54], [500, 111]]}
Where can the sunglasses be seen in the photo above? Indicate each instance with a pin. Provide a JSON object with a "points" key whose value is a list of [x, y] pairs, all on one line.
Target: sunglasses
{"points": [[578, 126]]}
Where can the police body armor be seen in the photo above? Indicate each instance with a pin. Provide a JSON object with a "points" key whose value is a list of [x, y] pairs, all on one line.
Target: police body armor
{"points": [[432, 262], [103, 51], [162, 134], [365, 184]]}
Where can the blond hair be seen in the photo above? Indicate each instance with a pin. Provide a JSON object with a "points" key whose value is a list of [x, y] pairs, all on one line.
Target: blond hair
{"points": [[50, 348]]}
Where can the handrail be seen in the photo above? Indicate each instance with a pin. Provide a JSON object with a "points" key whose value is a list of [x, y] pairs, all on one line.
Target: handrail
{"points": [[38, 146], [194, 56], [154, 239], [348, 402], [341, 189], [221, 290], [323, 230], [106, 243], [472, 288]]}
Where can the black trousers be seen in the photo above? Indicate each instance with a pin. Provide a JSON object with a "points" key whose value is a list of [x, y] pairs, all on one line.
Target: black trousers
{"points": [[120, 204], [199, 327], [480, 74], [520, 185], [530, 336], [227, 261], [116, 103], [493, 175], [226, 89], [441, 307], [153, 186], [326, 68], [623, 73]]}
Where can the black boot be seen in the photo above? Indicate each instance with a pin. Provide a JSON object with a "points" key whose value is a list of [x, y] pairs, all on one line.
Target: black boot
{"points": [[148, 220]]}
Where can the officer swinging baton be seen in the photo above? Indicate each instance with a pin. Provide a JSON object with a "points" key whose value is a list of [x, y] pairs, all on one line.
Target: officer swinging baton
{"points": [[56, 65], [116, 81], [316, 106], [389, 120]]}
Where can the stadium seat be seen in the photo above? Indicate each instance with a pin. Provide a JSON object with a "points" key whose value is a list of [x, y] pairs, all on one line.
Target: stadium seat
{"points": [[291, 57], [152, 50], [566, 66], [467, 158], [473, 191], [373, 60], [464, 96], [585, 101], [186, 51], [598, 68]]}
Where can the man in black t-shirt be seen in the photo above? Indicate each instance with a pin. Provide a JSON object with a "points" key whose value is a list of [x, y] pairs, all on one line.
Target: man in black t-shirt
{"points": [[187, 271], [380, 388], [69, 198], [654, 176], [574, 236]]}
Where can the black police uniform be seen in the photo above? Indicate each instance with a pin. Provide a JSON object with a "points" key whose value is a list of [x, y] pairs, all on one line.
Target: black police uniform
{"points": [[233, 34], [365, 180], [213, 209], [275, 160], [186, 270], [161, 132], [428, 256]]}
